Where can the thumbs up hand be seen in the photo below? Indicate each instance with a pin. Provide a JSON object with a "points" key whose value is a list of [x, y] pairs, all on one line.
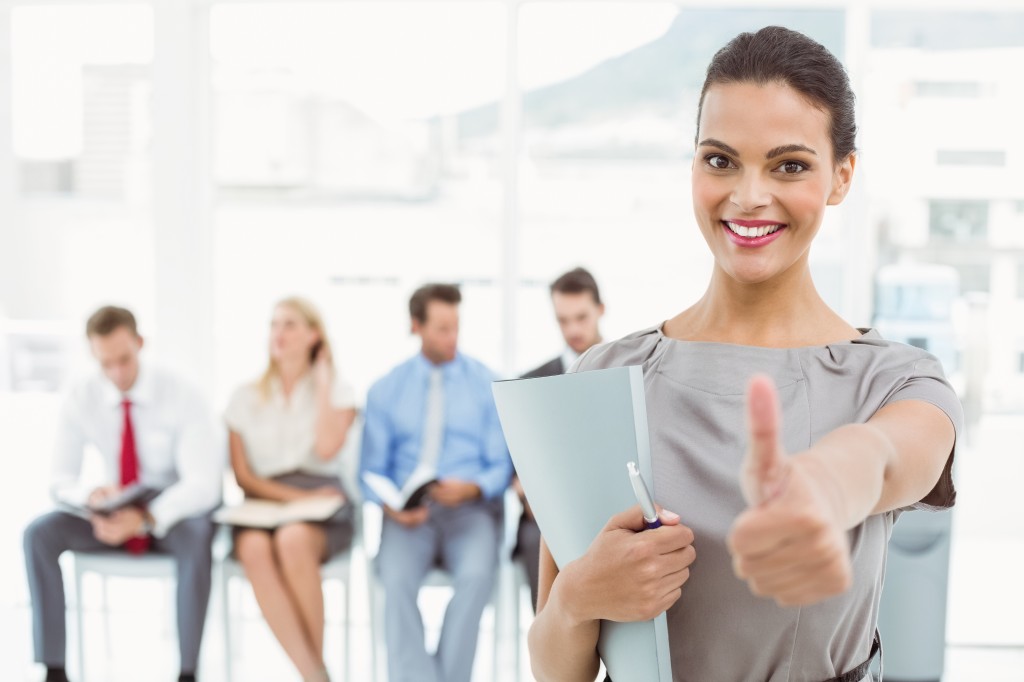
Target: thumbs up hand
{"points": [[789, 544]]}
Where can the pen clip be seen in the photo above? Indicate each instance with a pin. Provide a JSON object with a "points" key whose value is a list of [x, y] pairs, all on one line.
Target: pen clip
{"points": [[643, 497]]}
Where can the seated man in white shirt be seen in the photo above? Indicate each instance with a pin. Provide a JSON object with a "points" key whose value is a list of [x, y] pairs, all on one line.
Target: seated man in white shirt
{"points": [[150, 428]]}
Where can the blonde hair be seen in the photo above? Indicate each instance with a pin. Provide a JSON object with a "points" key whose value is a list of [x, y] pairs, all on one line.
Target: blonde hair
{"points": [[312, 317]]}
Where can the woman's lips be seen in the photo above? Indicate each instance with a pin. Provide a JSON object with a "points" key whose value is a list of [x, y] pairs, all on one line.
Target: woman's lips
{"points": [[754, 227]]}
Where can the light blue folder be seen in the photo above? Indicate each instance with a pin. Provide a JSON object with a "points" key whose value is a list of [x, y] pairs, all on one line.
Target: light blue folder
{"points": [[570, 437]]}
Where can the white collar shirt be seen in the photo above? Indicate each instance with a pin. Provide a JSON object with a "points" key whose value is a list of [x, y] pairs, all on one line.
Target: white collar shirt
{"points": [[569, 357], [179, 448], [279, 431]]}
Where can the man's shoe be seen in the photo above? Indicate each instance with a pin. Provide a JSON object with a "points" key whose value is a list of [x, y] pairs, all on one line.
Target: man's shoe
{"points": [[187, 677], [56, 675]]}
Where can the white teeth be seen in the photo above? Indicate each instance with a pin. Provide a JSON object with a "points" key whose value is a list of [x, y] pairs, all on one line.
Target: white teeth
{"points": [[753, 231]]}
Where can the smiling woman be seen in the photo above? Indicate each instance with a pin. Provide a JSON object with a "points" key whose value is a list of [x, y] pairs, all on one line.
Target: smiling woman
{"points": [[758, 176], [844, 431]]}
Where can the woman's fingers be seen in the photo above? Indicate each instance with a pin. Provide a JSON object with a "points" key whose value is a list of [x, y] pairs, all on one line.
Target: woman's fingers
{"points": [[631, 573]]}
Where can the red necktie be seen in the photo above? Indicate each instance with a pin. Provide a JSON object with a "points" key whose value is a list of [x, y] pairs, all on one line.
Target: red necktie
{"points": [[130, 471]]}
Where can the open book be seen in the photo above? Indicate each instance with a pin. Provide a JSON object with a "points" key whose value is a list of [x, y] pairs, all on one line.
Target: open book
{"points": [[132, 495], [270, 514], [410, 496]]}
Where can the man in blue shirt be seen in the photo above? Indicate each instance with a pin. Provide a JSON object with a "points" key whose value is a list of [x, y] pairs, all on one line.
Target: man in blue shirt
{"points": [[435, 413]]}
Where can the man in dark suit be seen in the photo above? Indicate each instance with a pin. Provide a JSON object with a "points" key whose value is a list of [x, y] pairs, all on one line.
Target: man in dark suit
{"points": [[578, 309]]}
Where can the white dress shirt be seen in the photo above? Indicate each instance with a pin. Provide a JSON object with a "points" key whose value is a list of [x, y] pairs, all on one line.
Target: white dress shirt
{"points": [[278, 431], [569, 358], [176, 438]]}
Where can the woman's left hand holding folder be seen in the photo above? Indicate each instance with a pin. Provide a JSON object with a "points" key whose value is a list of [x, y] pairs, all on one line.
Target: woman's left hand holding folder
{"points": [[629, 573]]}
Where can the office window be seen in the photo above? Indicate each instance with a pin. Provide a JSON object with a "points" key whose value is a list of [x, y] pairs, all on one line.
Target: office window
{"points": [[970, 157], [357, 155], [947, 89], [974, 277], [918, 342], [607, 145], [959, 221], [81, 100]]}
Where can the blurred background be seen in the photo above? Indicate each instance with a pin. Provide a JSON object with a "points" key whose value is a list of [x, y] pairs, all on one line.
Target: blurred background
{"points": [[197, 160]]}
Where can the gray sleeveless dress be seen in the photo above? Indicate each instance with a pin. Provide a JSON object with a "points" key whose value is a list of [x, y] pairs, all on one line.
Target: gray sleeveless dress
{"points": [[719, 631]]}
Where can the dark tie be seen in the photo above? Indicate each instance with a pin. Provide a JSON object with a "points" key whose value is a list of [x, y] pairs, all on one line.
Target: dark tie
{"points": [[130, 471]]}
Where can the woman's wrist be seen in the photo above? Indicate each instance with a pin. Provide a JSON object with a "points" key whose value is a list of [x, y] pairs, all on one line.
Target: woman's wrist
{"points": [[568, 597], [848, 484]]}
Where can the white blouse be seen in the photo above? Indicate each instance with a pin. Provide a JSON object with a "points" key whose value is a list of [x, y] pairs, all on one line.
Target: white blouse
{"points": [[279, 432]]}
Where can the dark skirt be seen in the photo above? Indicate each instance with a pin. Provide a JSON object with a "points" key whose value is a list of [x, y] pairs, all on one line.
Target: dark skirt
{"points": [[339, 529]]}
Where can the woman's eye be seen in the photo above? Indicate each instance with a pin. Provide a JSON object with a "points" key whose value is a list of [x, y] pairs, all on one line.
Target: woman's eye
{"points": [[792, 167], [718, 161]]}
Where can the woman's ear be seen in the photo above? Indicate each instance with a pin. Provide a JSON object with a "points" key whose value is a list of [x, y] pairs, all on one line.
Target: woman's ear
{"points": [[841, 179]]}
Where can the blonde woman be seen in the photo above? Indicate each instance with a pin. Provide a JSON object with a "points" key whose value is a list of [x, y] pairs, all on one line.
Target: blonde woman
{"points": [[285, 433]]}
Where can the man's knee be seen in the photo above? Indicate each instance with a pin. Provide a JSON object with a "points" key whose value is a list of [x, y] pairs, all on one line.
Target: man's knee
{"points": [[191, 541], [477, 568], [478, 578], [400, 570], [44, 534]]}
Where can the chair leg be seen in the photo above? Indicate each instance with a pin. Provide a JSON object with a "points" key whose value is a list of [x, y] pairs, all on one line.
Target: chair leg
{"points": [[225, 609], [105, 604], [377, 629], [80, 622], [347, 624]]}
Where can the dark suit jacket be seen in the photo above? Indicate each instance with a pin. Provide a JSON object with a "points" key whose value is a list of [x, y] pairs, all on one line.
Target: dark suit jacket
{"points": [[548, 369]]}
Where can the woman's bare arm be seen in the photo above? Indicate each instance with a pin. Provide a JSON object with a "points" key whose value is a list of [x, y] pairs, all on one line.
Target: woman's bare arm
{"points": [[791, 543], [332, 427], [561, 647], [253, 485]]}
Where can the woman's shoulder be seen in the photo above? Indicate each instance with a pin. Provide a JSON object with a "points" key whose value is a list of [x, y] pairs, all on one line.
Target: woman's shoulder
{"points": [[878, 353], [633, 349], [245, 398]]}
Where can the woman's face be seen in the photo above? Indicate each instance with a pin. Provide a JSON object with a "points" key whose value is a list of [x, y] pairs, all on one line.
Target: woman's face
{"points": [[762, 176], [291, 337]]}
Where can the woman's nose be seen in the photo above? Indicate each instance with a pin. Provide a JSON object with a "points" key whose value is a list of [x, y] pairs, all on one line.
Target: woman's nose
{"points": [[750, 193]]}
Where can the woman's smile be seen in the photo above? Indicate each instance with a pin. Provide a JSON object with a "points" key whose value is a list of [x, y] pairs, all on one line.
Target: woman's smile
{"points": [[752, 233]]}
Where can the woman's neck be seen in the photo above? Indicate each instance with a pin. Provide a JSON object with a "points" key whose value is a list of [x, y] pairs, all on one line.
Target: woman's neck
{"points": [[290, 372], [785, 312]]}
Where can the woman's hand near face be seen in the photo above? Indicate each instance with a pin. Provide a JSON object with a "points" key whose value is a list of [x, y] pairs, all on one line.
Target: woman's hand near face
{"points": [[628, 575], [323, 369], [790, 544]]}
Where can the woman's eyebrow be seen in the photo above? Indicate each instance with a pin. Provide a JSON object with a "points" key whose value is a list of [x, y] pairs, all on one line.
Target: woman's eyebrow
{"points": [[712, 142], [788, 149]]}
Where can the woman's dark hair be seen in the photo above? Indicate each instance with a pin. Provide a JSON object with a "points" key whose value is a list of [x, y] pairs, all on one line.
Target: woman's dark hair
{"points": [[446, 293], [778, 55]]}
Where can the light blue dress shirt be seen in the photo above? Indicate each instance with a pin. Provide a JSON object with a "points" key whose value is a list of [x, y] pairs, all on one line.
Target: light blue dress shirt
{"points": [[473, 446]]}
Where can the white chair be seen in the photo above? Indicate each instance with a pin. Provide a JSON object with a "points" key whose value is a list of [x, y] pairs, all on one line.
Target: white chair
{"points": [[338, 567], [372, 516], [513, 581], [115, 565]]}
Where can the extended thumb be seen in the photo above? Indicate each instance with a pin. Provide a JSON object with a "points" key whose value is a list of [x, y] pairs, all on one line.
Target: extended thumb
{"points": [[764, 464]]}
